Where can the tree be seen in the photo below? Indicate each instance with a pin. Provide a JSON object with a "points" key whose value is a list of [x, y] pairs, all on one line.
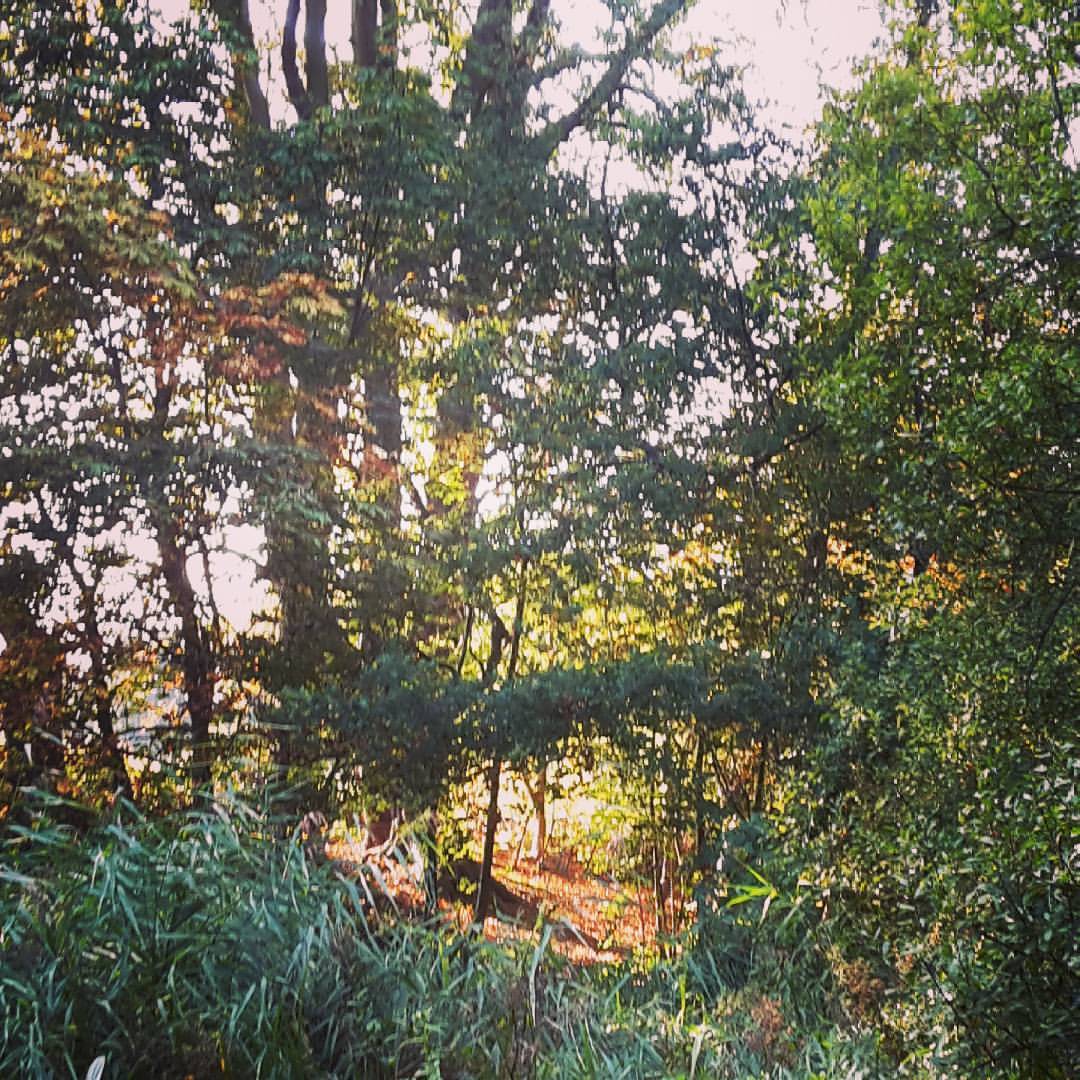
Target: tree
{"points": [[936, 347], [240, 391], [123, 416]]}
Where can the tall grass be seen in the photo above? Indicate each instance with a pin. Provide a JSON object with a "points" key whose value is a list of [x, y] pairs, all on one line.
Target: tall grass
{"points": [[209, 945]]}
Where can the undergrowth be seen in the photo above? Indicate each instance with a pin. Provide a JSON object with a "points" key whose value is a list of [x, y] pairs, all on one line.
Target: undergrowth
{"points": [[211, 945]]}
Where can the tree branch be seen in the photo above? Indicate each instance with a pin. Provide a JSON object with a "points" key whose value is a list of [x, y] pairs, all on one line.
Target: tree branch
{"points": [[537, 19], [491, 30], [564, 60], [559, 131]]}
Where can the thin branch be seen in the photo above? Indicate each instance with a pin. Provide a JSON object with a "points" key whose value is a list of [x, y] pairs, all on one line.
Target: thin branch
{"points": [[215, 614], [566, 59], [609, 232], [466, 639], [1059, 105]]}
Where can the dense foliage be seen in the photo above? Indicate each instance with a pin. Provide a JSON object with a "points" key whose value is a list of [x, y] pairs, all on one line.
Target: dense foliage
{"points": [[549, 414]]}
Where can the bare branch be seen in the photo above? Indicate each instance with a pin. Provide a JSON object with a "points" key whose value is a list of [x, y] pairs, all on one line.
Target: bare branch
{"points": [[662, 15]]}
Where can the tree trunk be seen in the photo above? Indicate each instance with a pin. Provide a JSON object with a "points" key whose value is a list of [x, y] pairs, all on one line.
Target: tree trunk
{"points": [[538, 795], [198, 661], [483, 893], [700, 854], [236, 15], [762, 777], [491, 672], [112, 755]]}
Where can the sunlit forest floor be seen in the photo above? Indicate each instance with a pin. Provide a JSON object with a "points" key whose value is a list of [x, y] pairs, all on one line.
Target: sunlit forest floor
{"points": [[596, 919], [593, 919]]}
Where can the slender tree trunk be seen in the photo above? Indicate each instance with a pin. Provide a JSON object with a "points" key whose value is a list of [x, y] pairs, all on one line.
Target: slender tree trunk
{"points": [[762, 777], [382, 392], [112, 755], [498, 636], [491, 672], [538, 795], [484, 890], [198, 661], [318, 80], [700, 828], [94, 644], [236, 15], [365, 21]]}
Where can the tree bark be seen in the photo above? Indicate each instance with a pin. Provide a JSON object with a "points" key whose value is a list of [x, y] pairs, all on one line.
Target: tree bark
{"points": [[293, 83], [491, 822], [365, 23], [538, 795], [112, 755], [198, 662], [318, 81], [236, 16], [498, 637]]}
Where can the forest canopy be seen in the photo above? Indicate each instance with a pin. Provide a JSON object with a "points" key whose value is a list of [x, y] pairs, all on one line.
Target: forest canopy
{"points": [[393, 414]]}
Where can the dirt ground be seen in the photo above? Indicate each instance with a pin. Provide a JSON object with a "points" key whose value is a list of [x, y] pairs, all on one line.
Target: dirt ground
{"points": [[594, 919]]}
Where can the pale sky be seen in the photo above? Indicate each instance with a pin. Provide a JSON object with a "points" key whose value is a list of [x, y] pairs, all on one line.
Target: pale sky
{"points": [[788, 45], [792, 46]]}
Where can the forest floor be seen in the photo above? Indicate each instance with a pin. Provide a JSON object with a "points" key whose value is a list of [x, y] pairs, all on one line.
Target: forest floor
{"points": [[594, 919]]}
